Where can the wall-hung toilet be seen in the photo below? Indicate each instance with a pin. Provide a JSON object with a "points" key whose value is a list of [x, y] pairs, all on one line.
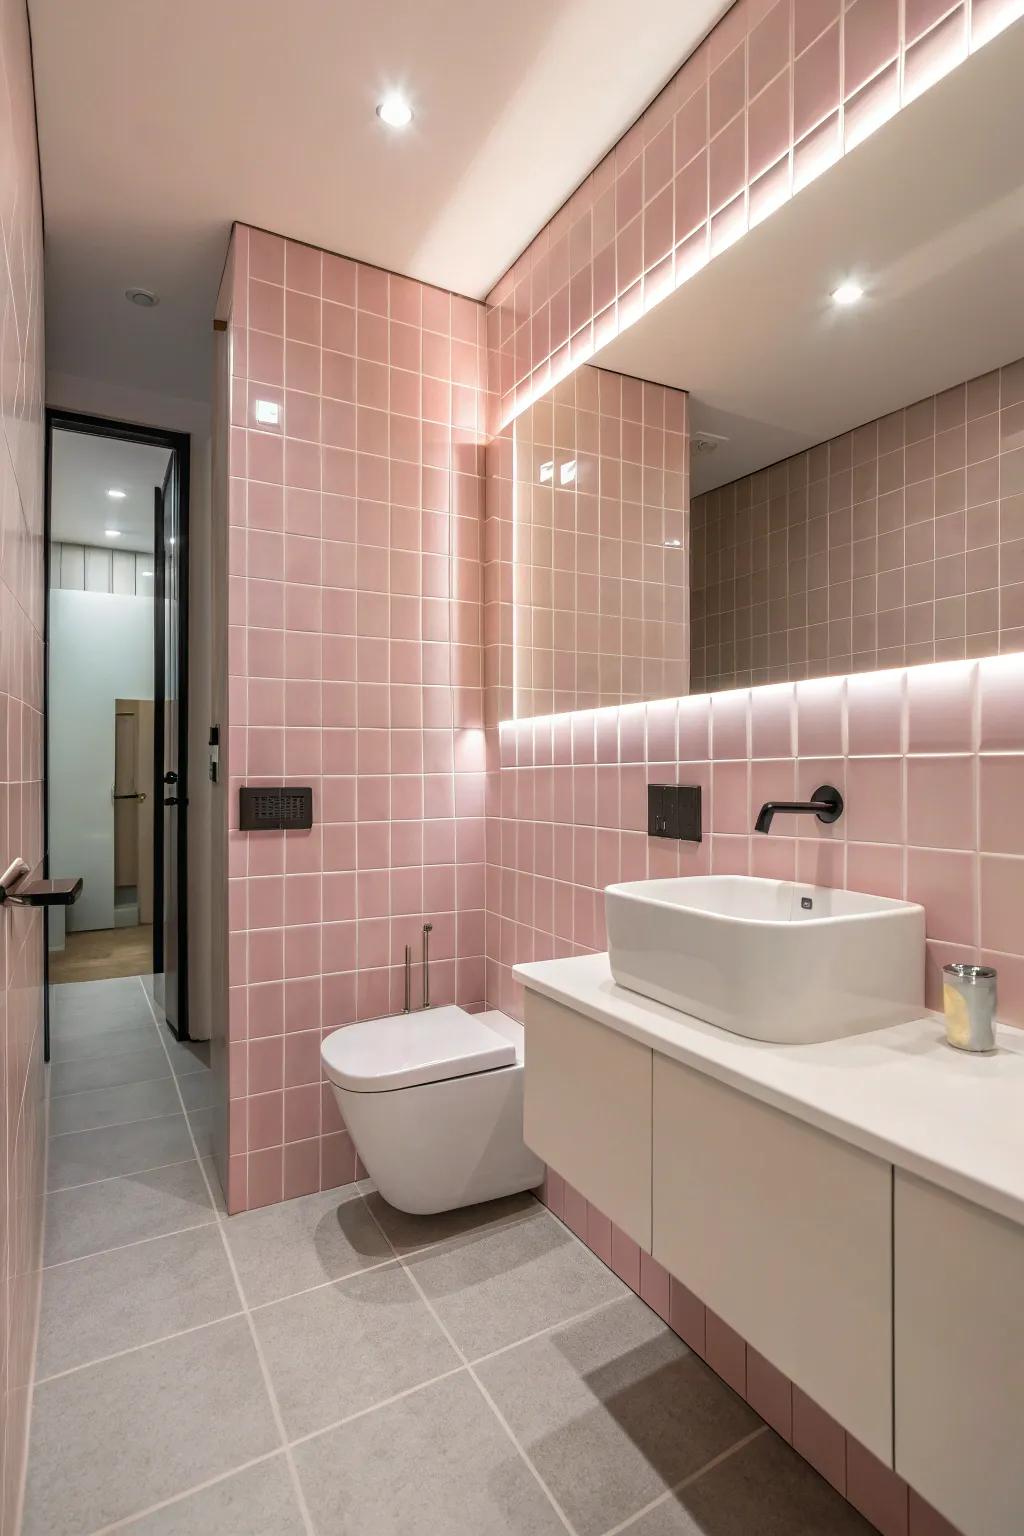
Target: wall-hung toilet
{"points": [[434, 1103]]}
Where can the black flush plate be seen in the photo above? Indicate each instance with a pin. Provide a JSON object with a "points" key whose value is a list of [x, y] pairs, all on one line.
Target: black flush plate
{"points": [[673, 810], [275, 808]]}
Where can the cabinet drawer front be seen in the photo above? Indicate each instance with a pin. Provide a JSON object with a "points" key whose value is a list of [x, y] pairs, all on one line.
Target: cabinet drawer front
{"points": [[959, 1357], [786, 1233], [587, 1111]]}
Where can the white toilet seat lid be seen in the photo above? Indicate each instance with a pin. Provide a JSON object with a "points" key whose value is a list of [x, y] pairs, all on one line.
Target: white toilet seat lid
{"points": [[412, 1048]]}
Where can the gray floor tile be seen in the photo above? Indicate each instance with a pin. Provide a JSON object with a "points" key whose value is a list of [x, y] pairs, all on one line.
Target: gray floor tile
{"points": [[260, 1501], [84, 1156], [765, 1487], [436, 1463], [99, 1004], [113, 1106], [114, 1301], [613, 1410], [344, 1347], [79, 1042], [201, 1090], [286, 1248], [407, 1233], [186, 1055], [498, 1285], [216, 1188], [112, 1439], [137, 1066], [204, 1124], [127, 1210]]}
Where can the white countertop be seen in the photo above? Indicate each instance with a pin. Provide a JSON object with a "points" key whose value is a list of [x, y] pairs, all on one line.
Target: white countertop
{"points": [[901, 1093]]}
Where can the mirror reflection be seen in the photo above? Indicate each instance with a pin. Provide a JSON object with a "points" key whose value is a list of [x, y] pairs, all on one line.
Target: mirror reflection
{"points": [[809, 459]]}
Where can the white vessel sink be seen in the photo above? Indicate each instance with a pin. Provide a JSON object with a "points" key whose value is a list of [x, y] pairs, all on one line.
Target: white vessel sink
{"points": [[771, 959]]}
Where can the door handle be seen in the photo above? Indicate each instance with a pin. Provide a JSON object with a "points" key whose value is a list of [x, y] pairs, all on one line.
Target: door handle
{"points": [[139, 795], [172, 800]]}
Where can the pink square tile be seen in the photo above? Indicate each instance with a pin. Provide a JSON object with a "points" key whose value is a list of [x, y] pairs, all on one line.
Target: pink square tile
{"points": [[771, 721], [940, 707], [941, 802], [874, 706], [1001, 682], [875, 868], [819, 1439], [871, 40], [875, 1490], [626, 1259], [599, 1234], [944, 883], [768, 47], [819, 715], [574, 1212], [730, 797], [815, 80], [926, 1521], [727, 164], [1002, 902], [770, 1393], [687, 1316], [1001, 811], [768, 126], [811, 17], [654, 1286], [265, 1175], [729, 724], [726, 1353]]}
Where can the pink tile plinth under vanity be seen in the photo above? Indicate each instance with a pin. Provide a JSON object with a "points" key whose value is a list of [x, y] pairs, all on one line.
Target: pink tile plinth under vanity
{"points": [[928, 760]]}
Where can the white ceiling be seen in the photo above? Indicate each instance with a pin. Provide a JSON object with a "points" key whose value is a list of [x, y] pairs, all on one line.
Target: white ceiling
{"points": [[161, 122], [928, 214], [85, 467]]}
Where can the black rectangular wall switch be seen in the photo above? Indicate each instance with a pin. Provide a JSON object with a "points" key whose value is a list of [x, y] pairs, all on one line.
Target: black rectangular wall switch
{"points": [[673, 810]]}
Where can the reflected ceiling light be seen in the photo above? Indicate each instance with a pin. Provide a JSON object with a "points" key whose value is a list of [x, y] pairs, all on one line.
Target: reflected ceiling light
{"points": [[673, 543], [145, 298], [112, 533], [567, 472], [268, 412], [115, 494], [395, 111], [847, 293], [547, 472]]}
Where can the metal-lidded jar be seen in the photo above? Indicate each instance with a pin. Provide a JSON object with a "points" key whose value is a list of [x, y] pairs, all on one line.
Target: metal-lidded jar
{"points": [[969, 1003]]}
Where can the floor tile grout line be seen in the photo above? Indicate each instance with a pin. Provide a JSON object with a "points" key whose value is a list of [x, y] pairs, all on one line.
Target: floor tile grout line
{"points": [[76, 1093], [137, 1242], [541, 1333], [179, 1498], [268, 1384], [129, 1173], [115, 1125], [527, 1461], [387, 1402], [688, 1481], [135, 1349]]}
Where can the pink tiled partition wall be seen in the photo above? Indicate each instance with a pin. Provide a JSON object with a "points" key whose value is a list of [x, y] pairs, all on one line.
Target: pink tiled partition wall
{"points": [[600, 544], [355, 507], [902, 541]]}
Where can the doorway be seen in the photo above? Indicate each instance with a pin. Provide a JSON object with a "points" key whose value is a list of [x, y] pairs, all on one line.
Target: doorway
{"points": [[116, 749]]}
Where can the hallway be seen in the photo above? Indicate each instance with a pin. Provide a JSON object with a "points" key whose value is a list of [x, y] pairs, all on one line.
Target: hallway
{"points": [[328, 1365]]}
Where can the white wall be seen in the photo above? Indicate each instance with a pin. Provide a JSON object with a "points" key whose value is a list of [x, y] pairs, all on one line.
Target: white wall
{"points": [[101, 650]]}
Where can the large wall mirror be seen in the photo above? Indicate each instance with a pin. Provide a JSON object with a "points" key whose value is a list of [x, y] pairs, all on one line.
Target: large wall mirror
{"points": [[809, 459]]}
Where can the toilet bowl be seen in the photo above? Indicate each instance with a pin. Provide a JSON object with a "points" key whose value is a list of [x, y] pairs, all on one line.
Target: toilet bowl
{"points": [[433, 1101]]}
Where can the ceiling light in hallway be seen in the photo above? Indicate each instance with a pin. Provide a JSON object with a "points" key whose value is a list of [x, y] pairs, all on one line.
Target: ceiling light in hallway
{"points": [[112, 533], [847, 293], [115, 494], [143, 297], [395, 111]]}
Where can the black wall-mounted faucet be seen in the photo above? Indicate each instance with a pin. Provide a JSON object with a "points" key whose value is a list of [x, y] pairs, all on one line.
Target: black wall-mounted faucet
{"points": [[827, 805]]}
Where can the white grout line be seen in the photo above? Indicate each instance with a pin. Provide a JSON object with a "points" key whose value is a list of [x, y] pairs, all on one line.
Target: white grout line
{"points": [[132, 1173], [479, 1384], [114, 1125], [322, 1285], [178, 1498], [275, 1406], [76, 1093], [135, 1349], [686, 1482], [363, 1413], [138, 1242]]}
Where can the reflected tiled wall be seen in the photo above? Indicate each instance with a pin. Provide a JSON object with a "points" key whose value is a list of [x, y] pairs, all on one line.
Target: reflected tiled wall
{"points": [[929, 760], [900, 542], [355, 509], [600, 544], [22, 1120], [777, 92]]}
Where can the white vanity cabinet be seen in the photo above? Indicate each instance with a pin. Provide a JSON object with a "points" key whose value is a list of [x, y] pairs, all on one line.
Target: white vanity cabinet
{"points": [[587, 1111], [786, 1233], [959, 1378]]}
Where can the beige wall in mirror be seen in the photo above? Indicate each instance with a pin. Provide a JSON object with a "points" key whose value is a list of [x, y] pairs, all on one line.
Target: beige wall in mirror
{"points": [[756, 483]]}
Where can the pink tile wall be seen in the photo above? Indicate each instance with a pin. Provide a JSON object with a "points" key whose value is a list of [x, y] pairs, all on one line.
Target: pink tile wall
{"points": [[776, 93], [902, 541], [929, 760], [600, 562], [354, 666], [22, 1108], [872, 1488]]}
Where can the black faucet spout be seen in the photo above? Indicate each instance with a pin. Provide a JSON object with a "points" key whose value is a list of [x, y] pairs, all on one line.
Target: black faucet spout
{"points": [[826, 804]]}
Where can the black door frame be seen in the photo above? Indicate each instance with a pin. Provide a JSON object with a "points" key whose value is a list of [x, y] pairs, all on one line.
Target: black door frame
{"points": [[177, 443]]}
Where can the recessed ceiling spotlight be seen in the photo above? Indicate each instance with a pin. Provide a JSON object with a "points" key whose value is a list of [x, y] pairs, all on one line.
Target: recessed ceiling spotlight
{"points": [[143, 297], [115, 494], [395, 111], [847, 293], [112, 533]]}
